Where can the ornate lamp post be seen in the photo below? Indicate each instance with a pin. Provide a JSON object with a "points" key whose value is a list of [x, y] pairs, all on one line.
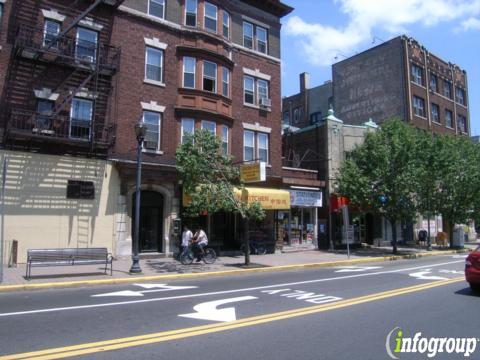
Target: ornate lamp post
{"points": [[140, 131]]}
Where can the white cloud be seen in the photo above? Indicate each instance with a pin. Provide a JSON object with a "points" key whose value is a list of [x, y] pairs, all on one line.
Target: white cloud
{"points": [[322, 43], [470, 24]]}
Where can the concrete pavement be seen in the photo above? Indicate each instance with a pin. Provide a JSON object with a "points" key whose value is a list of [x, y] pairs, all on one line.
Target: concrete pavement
{"points": [[168, 268]]}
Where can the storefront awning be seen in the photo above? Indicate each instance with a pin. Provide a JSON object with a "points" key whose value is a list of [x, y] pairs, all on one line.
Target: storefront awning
{"points": [[270, 199]]}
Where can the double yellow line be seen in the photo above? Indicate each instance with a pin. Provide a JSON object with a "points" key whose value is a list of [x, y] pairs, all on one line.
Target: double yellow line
{"points": [[116, 344]]}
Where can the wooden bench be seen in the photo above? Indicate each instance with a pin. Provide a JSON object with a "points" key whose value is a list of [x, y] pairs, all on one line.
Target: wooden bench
{"points": [[68, 256]]}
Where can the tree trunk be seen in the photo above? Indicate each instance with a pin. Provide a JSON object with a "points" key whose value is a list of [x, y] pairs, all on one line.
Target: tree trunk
{"points": [[393, 224], [450, 234], [246, 241]]}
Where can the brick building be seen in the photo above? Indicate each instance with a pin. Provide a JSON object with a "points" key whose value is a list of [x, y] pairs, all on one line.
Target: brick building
{"points": [[78, 78], [401, 78]]}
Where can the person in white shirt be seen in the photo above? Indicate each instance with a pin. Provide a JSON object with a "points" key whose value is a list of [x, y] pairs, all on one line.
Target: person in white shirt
{"points": [[200, 241], [186, 238]]}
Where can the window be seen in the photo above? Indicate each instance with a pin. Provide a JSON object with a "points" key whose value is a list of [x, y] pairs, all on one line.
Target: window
{"points": [[191, 13], [44, 113], [248, 35], [447, 89], [435, 113], [433, 82], [462, 123], [86, 44], [156, 8], [248, 145], [154, 64], [224, 139], [286, 117], [261, 39], [210, 126], [81, 118], [419, 106], [188, 127], [226, 24], [209, 76], [225, 81], [315, 117], [296, 117], [262, 147], [448, 118], [417, 74], [248, 90], [460, 96], [210, 17], [1, 13], [189, 72], [77, 189], [152, 137], [262, 86], [50, 33]]}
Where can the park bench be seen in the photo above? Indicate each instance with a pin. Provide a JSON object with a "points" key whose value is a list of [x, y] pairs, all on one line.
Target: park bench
{"points": [[68, 256]]}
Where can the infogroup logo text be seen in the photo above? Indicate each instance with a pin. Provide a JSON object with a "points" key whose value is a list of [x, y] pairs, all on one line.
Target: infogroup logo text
{"points": [[429, 346]]}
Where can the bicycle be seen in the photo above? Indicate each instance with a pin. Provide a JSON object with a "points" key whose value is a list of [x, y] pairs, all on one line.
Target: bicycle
{"points": [[256, 248], [209, 256]]}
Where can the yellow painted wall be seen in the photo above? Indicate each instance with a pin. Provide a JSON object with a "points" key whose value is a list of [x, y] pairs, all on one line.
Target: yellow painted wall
{"points": [[38, 213]]}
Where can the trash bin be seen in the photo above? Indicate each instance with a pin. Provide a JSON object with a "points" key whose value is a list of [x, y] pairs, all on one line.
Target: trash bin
{"points": [[458, 240]]}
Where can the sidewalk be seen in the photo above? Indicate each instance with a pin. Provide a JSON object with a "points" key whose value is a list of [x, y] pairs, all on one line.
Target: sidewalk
{"points": [[161, 269]]}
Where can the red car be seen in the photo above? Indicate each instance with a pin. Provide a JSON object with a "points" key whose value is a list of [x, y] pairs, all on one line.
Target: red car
{"points": [[472, 270]]}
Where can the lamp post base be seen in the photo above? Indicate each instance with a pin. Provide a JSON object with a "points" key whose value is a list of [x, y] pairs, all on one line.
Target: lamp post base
{"points": [[135, 269]]}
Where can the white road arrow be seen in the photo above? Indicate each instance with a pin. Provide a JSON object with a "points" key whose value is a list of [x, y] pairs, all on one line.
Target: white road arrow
{"points": [[422, 275], [157, 287], [357, 268], [209, 311]]}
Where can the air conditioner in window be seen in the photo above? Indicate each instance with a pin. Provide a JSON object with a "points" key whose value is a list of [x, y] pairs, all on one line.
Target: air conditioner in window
{"points": [[266, 103]]}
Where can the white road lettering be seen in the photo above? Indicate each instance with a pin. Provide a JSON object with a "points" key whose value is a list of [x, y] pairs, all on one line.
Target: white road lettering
{"points": [[208, 310], [422, 275], [451, 272], [304, 295]]}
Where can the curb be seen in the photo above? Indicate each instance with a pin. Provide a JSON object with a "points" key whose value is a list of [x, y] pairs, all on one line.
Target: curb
{"points": [[135, 279]]}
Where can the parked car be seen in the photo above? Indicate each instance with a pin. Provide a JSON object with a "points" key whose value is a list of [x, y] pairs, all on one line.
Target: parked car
{"points": [[472, 270]]}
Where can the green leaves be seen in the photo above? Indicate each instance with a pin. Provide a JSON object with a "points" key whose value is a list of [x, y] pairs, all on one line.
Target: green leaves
{"points": [[210, 178]]}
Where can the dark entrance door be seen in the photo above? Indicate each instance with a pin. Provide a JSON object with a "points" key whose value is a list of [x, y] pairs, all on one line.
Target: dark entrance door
{"points": [[151, 221]]}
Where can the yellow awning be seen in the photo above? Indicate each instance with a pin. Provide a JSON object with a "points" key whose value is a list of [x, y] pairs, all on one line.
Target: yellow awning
{"points": [[270, 199]]}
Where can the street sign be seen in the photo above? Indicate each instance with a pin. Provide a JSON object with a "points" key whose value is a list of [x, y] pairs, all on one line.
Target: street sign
{"points": [[253, 172]]}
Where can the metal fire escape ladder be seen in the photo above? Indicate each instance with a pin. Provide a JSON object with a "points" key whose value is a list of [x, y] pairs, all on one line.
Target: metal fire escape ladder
{"points": [[70, 96]]}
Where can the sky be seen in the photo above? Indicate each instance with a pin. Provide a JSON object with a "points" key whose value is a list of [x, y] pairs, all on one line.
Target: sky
{"points": [[319, 33]]}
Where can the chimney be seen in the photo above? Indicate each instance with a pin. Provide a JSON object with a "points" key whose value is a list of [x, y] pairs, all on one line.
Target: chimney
{"points": [[304, 81]]}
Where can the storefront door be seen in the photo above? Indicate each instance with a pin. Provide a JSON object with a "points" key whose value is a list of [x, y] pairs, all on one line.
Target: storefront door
{"points": [[151, 221]]}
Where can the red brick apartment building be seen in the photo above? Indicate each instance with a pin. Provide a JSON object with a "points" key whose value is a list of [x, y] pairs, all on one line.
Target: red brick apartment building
{"points": [[76, 76]]}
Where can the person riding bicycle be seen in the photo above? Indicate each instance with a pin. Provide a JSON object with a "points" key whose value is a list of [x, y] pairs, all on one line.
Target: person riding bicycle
{"points": [[200, 240]]}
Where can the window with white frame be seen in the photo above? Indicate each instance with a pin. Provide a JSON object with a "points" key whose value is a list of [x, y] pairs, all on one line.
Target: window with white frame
{"points": [[248, 145], [224, 134], [462, 123], [156, 8], [448, 118], [447, 89], [262, 42], [417, 74], [210, 126], [210, 19], [189, 72], [225, 81], [419, 106], [247, 35], [433, 82], [249, 90], [86, 45], [262, 86], [262, 143], [152, 121], [153, 64], [226, 24], [50, 33], [81, 118], [209, 76], [188, 127], [460, 96], [435, 113], [191, 13]]}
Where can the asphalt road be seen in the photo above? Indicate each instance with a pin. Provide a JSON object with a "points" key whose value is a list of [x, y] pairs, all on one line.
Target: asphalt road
{"points": [[326, 313]]}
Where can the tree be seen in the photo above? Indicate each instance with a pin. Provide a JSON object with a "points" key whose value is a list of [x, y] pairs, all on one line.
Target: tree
{"points": [[210, 179], [381, 175]]}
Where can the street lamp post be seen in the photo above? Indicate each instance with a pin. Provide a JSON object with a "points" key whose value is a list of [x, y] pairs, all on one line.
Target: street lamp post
{"points": [[140, 131]]}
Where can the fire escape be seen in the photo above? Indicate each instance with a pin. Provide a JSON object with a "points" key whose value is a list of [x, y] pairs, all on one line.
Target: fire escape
{"points": [[60, 80]]}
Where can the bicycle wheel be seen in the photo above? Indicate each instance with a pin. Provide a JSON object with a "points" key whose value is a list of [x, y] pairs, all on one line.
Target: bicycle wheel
{"points": [[261, 249], [187, 257], [242, 251], [210, 256]]}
